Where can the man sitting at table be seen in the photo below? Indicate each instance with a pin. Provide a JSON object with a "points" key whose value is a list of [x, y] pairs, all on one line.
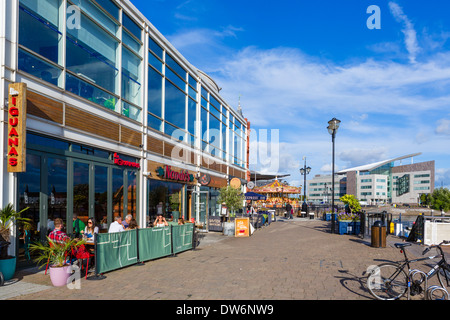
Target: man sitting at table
{"points": [[57, 234], [116, 226]]}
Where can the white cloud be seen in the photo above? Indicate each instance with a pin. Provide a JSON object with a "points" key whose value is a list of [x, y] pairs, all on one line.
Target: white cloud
{"points": [[443, 127], [357, 156], [410, 34]]}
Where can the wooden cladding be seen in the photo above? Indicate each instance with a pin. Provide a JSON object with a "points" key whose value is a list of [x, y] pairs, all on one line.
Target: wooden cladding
{"points": [[72, 117], [81, 120], [45, 108]]}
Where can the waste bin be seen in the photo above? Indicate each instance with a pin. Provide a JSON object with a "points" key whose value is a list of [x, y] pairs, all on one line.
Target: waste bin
{"points": [[378, 231]]}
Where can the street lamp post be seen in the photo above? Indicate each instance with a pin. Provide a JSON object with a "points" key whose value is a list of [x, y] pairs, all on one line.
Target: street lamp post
{"points": [[304, 171], [333, 126]]}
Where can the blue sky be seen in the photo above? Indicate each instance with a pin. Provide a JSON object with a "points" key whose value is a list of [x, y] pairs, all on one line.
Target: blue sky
{"points": [[297, 64]]}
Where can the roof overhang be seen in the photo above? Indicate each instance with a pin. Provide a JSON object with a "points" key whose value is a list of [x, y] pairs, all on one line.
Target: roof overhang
{"points": [[372, 166]]}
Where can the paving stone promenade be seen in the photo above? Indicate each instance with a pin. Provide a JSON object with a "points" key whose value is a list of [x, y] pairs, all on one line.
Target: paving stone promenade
{"points": [[288, 260]]}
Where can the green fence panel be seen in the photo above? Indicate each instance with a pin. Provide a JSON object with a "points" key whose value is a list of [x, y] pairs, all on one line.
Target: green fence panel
{"points": [[116, 250], [154, 243], [182, 237]]}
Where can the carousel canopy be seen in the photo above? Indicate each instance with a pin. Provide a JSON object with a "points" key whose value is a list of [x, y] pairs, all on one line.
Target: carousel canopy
{"points": [[277, 187]]}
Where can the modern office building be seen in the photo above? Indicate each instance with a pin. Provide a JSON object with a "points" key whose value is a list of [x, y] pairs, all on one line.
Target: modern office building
{"points": [[108, 118], [378, 183]]}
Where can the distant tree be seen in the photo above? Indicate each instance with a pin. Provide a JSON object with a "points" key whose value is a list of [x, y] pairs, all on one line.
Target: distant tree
{"points": [[440, 199]]}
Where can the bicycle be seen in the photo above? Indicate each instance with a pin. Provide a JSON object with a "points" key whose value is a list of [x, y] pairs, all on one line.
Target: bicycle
{"points": [[390, 281]]}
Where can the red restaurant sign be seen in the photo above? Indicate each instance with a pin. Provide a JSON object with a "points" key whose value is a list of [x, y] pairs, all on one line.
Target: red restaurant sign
{"points": [[17, 112], [125, 163], [167, 173]]}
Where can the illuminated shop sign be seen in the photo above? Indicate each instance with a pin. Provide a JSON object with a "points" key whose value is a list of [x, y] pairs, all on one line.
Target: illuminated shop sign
{"points": [[124, 163], [17, 113], [167, 173]]}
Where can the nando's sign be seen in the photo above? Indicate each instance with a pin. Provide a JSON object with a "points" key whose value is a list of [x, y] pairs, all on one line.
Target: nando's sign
{"points": [[167, 173], [17, 115]]}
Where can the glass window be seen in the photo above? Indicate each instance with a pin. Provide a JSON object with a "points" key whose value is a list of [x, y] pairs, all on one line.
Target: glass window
{"points": [[175, 79], [154, 92], [131, 189], [117, 193], [91, 54], [57, 188], [175, 106], [97, 14], [192, 93], [131, 42], [131, 86], [131, 26], [169, 129], [34, 139], [224, 137], [155, 48], [38, 67], [90, 92], [204, 93], [131, 111], [154, 122], [175, 67], [101, 195], [155, 62], [38, 28], [81, 190], [214, 131], [192, 116], [167, 193], [204, 119], [192, 82], [110, 7]]}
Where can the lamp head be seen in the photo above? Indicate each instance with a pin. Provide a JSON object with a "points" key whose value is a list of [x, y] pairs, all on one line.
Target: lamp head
{"points": [[333, 125]]}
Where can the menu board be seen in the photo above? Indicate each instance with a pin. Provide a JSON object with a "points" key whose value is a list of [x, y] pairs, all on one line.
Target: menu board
{"points": [[242, 227], [215, 223]]}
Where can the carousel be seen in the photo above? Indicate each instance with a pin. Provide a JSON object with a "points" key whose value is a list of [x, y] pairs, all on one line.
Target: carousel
{"points": [[278, 195]]}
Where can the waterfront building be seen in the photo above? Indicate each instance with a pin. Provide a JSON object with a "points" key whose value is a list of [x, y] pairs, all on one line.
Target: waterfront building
{"points": [[115, 120], [381, 182]]}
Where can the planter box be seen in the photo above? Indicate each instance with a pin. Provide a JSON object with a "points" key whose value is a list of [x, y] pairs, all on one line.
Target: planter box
{"points": [[327, 216], [349, 227]]}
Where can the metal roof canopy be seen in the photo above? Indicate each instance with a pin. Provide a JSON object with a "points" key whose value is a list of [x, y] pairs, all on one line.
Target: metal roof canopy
{"points": [[261, 177], [372, 166]]}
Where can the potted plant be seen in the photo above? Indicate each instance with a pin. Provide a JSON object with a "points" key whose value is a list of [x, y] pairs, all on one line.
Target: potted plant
{"points": [[56, 254], [8, 217], [234, 200], [349, 220]]}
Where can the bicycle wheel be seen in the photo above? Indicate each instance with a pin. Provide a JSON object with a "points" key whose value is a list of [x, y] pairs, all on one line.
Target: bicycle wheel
{"points": [[387, 281], [441, 276]]}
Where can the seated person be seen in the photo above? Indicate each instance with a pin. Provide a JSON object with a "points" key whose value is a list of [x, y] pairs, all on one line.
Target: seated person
{"points": [[133, 224], [180, 221], [90, 230], [160, 221], [57, 234], [116, 226]]}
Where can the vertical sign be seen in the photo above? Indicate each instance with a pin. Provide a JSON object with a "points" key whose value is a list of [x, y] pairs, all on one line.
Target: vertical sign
{"points": [[17, 112]]}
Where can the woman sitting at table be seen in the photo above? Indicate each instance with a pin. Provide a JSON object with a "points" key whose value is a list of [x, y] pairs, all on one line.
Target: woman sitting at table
{"points": [[90, 230]]}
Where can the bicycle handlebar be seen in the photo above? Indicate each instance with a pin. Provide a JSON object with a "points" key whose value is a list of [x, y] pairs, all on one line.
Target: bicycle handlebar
{"points": [[435, 246]]}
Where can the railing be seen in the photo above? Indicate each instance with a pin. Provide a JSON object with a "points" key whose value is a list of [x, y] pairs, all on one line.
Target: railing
{"points": [[121, 249]]}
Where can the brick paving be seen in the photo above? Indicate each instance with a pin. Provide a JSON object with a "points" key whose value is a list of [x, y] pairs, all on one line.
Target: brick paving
{"points": [[287, 260]]}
